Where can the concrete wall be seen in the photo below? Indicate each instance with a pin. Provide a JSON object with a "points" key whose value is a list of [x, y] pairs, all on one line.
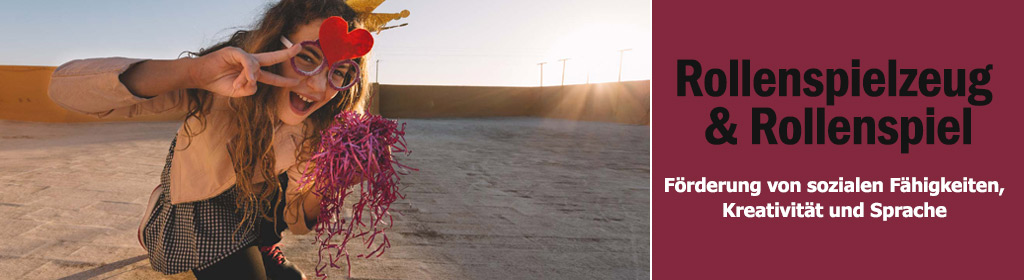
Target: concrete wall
{"points": [[23, 97], [404, 101], [625, 102]]}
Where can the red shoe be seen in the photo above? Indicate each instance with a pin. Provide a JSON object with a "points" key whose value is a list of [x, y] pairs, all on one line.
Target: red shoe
{"points": [[279, 268]]}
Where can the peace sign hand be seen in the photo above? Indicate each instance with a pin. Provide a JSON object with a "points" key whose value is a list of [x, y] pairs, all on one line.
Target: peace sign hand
{"points": [[233, 72]]}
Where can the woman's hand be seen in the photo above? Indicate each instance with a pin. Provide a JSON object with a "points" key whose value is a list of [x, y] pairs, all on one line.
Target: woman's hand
{"points": [[233, 72]]}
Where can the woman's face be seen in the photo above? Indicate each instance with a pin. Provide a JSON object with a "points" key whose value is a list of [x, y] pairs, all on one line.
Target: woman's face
{"points": [[298, 102]]}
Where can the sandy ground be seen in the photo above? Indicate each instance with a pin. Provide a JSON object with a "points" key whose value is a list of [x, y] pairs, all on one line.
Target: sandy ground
{"points": [[501, 198]]}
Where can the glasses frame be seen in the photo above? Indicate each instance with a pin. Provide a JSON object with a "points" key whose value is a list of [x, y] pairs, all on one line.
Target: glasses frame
{"points": [[352, 65]]}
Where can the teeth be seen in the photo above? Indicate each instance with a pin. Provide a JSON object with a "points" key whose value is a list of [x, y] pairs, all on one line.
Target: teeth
{"points": [[304, 98]]}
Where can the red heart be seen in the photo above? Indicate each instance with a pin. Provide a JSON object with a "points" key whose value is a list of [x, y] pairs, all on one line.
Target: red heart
{"points": [[338, 44]]}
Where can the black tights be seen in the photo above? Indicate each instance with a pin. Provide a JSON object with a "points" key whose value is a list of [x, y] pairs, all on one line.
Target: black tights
{"points": [[243, 264], [247, 263]]}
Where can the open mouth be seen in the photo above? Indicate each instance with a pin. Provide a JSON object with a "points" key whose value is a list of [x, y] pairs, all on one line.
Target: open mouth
{"points": [[300, 104]]}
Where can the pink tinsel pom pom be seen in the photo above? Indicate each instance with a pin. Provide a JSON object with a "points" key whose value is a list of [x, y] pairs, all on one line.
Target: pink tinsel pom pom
{"points": [[356, 148]]}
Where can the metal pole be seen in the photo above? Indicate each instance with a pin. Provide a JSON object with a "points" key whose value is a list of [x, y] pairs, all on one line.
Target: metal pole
{"points": [[563, 69], [542, 73], [621, 52]]}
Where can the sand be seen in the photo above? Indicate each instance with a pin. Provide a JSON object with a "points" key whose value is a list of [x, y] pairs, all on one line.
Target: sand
{"points": [[495, 198]]}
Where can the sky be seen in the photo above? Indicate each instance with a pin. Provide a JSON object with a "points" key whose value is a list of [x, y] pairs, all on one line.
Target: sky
{"points": [[447, 42]]}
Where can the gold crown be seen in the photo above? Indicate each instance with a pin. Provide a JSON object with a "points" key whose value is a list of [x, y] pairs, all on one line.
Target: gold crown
{"points": [[374, 22]]}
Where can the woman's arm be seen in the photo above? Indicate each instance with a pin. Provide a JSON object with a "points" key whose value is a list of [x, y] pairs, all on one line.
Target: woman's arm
{"points": [[311, 207], [302, 210], [128, 87], [94, 87], [151, 78], [229, 71]]}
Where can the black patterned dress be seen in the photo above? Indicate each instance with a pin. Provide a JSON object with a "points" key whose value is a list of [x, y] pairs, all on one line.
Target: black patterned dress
{"points": [[194, 235]]}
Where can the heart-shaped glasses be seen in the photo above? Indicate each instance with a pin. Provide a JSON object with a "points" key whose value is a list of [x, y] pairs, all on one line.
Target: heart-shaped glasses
{"points": [[341, 75]]}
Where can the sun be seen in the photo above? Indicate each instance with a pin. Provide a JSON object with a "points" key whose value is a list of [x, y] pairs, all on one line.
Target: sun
{"points": [[592, 41], [594, 53]]}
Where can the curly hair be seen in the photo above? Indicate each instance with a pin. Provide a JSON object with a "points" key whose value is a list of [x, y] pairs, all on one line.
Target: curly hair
{"points": [[255, 116]]}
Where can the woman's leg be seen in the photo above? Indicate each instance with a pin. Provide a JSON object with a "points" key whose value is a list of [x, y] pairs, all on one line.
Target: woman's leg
{"points": [[274, 262], [246, 263]]}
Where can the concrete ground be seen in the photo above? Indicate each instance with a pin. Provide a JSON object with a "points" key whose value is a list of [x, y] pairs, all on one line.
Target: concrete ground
{"points": [[520, 198]]}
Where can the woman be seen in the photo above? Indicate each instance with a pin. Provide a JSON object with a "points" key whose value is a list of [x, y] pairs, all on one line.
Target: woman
{"points": [[230, 187]]}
